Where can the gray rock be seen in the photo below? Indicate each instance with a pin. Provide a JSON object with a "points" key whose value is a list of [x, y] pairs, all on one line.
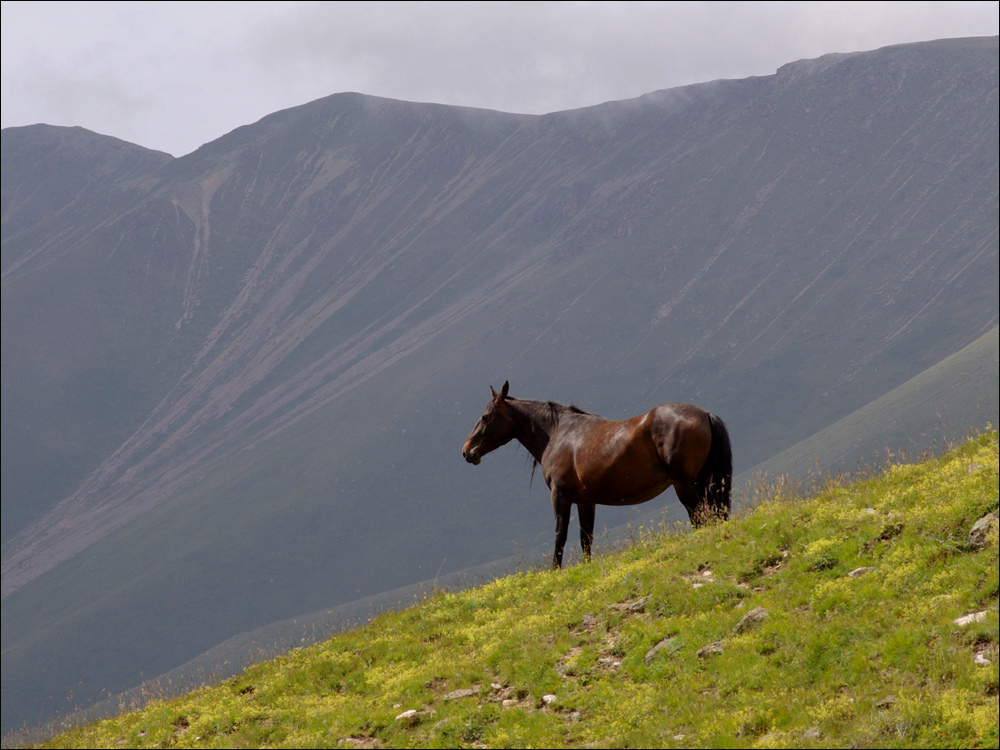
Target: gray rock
{"points": [[888, 702], [462, 693], [667, 644], [969, 618], [362, 742], [750, 620], [504, 694], [858, 572], [409, 717], [980, 531], [711, 649], [639, 605]]}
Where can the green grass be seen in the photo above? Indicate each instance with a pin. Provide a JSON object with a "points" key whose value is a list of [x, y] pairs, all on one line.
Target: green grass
{"points": [[870, 660]]}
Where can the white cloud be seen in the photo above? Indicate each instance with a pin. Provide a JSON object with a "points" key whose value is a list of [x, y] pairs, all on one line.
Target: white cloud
{"points": [[175, 75]]}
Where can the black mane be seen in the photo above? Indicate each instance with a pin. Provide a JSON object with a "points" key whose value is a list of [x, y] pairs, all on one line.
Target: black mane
{"points": [[556, 406]]}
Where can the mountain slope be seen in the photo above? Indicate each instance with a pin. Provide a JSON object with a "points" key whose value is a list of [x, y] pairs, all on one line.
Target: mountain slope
{"points": [[236, 389], [937, 406], [58, 425]]}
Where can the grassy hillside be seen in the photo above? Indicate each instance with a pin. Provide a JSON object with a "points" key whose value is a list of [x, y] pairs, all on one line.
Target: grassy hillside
{"points": [[761, 631]]}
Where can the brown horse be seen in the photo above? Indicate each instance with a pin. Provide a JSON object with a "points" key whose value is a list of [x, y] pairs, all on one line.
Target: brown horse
{"points": [[591, 461]]}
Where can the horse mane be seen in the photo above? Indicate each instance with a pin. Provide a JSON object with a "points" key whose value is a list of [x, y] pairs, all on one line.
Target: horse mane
{"points": [[555, 409]]}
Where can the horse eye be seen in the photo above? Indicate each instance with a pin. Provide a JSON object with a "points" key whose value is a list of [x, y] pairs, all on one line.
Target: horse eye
{"points": [[486, 418]]}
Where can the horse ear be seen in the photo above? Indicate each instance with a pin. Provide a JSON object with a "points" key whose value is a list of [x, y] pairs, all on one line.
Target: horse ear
{"points": [[504, 390], [494, 393]]}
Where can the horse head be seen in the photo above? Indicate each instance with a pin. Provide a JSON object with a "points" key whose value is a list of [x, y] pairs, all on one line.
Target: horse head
{"points": [[494, 428]]}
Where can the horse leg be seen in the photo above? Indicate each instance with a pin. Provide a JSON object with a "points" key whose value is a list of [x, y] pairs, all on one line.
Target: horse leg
{"points": [[586, 511], [561, 505], [693, 500]]}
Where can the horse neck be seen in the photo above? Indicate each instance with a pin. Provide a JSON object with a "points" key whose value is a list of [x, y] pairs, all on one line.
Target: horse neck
{"points": [[534, 422]]}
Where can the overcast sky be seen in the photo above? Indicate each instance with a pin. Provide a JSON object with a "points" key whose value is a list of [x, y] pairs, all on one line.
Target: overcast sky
{"points": [[172, 76]]}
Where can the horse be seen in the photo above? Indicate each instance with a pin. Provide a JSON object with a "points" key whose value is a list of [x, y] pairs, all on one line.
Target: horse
{"points": [[588, 460]]}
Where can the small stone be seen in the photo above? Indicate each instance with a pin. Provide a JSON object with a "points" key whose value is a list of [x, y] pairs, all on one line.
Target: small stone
{"points": [[969, 619], [979, 533], [666, 643], [462, 693], [858, 572], [408, 717], [496, 686], [679, 737], [639, 605], [750, 620], [589, 621], [508, 703], [710, 650], [549, 699], [503, 694], [397, 705], [982, 660], [812, 734], [888, 702]]}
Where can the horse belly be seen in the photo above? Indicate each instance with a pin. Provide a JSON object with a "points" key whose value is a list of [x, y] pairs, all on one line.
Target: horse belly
{"points": [[628, 490]]}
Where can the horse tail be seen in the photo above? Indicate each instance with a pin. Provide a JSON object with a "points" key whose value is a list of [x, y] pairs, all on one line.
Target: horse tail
{"points": [[720, 464]]}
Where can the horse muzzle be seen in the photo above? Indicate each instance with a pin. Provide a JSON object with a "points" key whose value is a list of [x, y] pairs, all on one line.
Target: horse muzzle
{"points": [[472, 456]]}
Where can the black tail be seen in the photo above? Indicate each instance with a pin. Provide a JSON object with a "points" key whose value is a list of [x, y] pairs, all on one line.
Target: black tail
{"points": [[720, 464]]}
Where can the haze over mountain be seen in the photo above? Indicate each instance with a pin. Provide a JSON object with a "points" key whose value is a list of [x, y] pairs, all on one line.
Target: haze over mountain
{"points": [[236, 384]]}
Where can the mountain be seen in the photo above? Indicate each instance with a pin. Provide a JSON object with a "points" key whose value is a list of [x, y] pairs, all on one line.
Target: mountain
{"points": [[927, 412], [236, 384]]}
